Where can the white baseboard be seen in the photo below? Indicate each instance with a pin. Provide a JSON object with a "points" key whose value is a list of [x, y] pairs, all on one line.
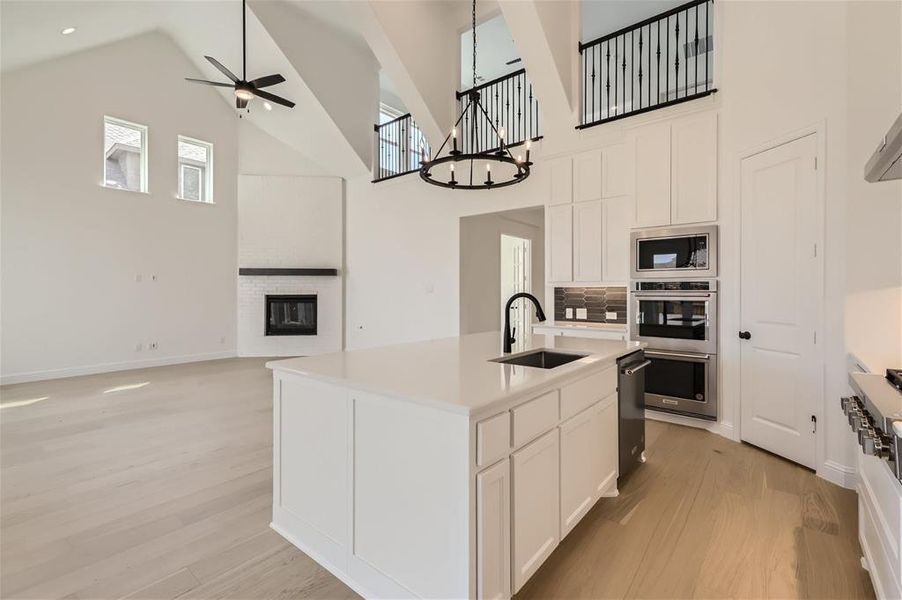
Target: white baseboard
{"points": [[112, 367], [842, 475]]}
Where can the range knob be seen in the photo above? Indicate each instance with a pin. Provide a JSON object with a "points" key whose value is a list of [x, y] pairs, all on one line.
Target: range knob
{"points": [[856, 419], [868, 444]]}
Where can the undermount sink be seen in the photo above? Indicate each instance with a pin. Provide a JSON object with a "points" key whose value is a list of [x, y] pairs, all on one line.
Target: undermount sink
{"points": [[540, 359]]}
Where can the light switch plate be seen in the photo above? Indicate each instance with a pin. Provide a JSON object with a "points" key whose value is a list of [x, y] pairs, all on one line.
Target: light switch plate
{"points": [[582, 313], [568, 313], [610, 316]]}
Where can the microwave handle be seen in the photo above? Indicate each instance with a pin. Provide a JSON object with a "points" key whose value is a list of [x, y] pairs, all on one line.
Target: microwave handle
{"points": [[677, 355]]}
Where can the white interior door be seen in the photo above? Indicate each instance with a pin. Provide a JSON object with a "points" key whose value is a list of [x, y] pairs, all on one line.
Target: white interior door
{"points": [[781, 300], [516, 276]]}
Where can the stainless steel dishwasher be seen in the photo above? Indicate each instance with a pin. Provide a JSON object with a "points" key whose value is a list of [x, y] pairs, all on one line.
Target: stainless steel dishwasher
{"points": [[631, 400]]}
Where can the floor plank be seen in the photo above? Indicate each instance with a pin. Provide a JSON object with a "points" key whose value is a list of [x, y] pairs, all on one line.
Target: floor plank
{"points": [[157, 483]]}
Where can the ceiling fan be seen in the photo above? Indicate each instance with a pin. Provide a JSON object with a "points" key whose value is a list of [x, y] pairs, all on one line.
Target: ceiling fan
{"points": [[245, 91]]}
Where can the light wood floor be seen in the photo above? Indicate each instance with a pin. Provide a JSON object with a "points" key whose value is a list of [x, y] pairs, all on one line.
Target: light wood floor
{"points": [[157, 484]]}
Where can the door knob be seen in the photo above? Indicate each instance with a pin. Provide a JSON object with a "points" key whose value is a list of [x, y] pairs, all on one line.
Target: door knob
{"points": [[745, 335]]}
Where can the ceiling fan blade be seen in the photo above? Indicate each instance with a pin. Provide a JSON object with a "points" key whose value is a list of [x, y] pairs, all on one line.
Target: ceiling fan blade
{"points": [[273, 98], [262, 82], [240, 103], [221, 68], [205, 82]]}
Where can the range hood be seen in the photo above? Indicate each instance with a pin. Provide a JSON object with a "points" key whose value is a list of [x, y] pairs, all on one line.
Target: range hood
{"points": [[886, 162]]}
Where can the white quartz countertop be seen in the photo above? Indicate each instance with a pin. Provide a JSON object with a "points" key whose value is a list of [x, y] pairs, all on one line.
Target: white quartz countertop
{"points": [[455, 373], [581, 325]]}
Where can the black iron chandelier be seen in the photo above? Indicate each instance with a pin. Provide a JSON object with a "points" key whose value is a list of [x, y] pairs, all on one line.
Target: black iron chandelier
{"points": [[476, 168]]}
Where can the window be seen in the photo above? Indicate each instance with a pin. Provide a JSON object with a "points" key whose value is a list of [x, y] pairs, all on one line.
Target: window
{"points": [[124, 155], [195, 170]]}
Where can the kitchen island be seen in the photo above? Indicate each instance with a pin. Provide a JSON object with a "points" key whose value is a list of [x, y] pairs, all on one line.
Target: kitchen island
{"points": [[428, 470]]}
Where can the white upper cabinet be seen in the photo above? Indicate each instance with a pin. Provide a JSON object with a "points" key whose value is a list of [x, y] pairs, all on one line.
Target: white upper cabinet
{"points": [[617, 171], [587, 241], [694, 169], [616, 220], [561, 180], [676, 171], [652, 152], [587, 174], [559, 247]]}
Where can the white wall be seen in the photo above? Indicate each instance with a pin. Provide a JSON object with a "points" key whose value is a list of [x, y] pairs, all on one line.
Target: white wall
{"points": [[480, 264], [72, 250], [873, 310]]}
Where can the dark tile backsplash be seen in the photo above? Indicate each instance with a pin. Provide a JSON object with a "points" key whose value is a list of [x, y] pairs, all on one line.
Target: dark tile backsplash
{"points": [[597, 301]]}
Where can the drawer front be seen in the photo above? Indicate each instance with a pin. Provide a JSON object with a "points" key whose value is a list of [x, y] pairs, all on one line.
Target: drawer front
{"points": [[493, 439], [535, 417], [582, 394]]}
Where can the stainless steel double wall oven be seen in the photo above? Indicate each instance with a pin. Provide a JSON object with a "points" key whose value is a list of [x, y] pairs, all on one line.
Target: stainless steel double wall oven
{"points": [[673, 308]]}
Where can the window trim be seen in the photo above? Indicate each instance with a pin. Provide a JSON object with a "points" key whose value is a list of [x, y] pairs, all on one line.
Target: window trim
{"points": [[207, 179], [144, 130]]}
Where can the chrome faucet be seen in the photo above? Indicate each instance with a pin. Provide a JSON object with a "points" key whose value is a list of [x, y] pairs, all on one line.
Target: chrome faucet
{"points": [[507, 335]]}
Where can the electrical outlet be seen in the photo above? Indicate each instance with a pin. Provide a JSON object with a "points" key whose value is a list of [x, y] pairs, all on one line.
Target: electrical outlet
{"points": [[138, 278], [222, 340], [610, 316], [582, 314], [139, 346], [568, 313]]}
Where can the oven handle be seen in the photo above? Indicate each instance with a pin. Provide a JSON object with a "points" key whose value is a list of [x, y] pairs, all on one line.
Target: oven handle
{"points": [[672, 297], [632, 370], [699, 357]]}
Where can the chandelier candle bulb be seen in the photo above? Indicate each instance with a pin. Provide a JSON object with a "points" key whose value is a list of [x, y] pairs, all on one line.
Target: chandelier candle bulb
{"points": [[454, 140]]}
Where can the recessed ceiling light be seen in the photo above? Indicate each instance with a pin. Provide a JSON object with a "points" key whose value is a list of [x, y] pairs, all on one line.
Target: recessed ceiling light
{"points": [[267, 106], [68, 30]]}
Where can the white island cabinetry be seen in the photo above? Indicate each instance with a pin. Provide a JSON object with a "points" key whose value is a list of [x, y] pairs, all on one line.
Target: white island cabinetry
{"points": [[426, 470]]}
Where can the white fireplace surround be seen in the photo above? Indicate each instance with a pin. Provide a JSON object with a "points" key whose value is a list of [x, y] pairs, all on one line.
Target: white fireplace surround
{"points": [[289, 223]]}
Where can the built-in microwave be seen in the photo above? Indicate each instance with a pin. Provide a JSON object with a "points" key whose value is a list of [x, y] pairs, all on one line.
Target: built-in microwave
{"points": [[674, 252]]}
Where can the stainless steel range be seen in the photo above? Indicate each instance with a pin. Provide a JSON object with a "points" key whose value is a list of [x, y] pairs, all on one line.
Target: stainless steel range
{"points": [[678, 320], [875, 414]]}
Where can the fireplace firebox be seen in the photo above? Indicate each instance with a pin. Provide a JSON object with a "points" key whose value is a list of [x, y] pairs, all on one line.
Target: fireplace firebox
{"points": [[291, 314]]}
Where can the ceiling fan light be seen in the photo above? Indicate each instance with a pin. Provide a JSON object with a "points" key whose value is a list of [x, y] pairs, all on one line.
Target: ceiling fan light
{"points": [[244, 94]]}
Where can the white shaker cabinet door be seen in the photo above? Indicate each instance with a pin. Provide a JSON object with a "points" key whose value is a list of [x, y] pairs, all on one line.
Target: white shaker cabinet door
{"points": [[493, 551], [617, 218], [587, 241], [578, 446], [694, 169], [652, 151], [587, 176], [536, 504], [560, 242], [607, 447]]}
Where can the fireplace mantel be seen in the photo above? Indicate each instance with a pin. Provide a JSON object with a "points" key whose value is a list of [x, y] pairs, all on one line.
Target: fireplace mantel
{"points": [[284, 272]]}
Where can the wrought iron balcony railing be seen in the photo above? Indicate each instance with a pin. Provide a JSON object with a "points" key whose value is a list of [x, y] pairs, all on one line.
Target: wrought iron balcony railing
{"points": [[659, 62], [399, 148], [510, 104]]}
